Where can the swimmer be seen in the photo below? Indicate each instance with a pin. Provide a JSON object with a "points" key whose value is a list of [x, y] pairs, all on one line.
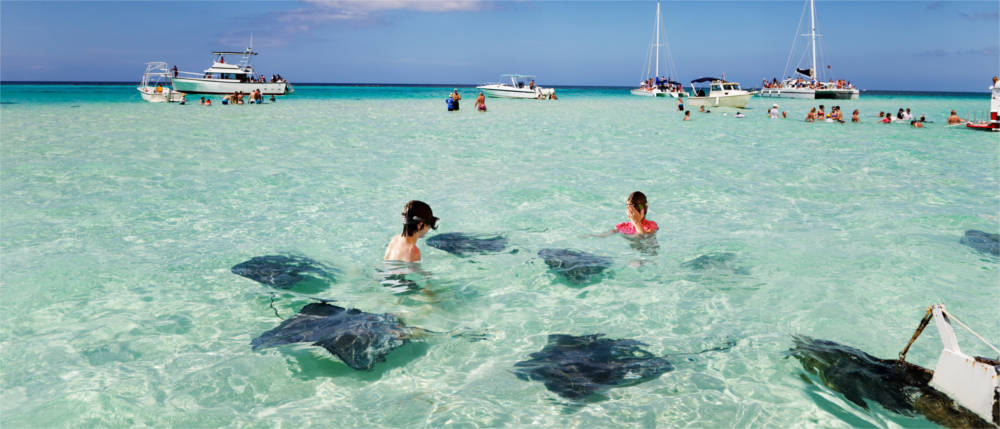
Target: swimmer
{"points": [[417, 221], [784, 114], [916, 124], [856, 116], [636, 207], [954, 119], [481, 102], [687, 115], [740, 115], [701, 108]]}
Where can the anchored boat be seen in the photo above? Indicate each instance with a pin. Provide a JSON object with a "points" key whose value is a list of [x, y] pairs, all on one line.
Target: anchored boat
{"points": [[513, 86], [993, 124], [719, 93], [811, 86], [657, 86], [155, 84], [229, 78]]}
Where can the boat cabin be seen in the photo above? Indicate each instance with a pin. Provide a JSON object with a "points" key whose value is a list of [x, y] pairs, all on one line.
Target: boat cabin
{"points": [[716, 87]]}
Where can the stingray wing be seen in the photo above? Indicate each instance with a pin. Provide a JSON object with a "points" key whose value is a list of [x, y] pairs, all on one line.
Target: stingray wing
{"points": [[313, 323]]}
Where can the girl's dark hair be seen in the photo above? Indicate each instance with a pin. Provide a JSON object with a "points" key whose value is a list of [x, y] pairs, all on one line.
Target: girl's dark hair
{"points": [[638, 200], [415, 215]]}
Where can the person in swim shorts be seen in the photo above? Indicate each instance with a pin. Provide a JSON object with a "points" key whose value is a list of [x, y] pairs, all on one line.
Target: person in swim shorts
{"points": [[418, 219], [481, 102], [636, 207]]}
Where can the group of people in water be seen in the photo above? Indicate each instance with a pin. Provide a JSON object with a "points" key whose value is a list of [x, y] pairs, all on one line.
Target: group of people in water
{"points": [[453, 99], [834, 115], [419, 219], [255, 96]]}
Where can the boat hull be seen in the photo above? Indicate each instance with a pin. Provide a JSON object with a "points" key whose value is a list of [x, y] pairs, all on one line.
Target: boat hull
{"points": [[218, 86], [657, 93], [738, 100], [837, 94], [504, 91], [165, 96], [803, 93]]}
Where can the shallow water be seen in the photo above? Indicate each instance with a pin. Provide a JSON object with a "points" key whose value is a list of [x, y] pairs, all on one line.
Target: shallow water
{"points": [[121, 220]]}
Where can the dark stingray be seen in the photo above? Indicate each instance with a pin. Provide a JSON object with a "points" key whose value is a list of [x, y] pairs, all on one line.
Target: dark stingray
{"points": [[282, 271], [578, 367], [577, 267], [715, 261], [462, 244], [982, 241], [900, 387], [359, 339]]}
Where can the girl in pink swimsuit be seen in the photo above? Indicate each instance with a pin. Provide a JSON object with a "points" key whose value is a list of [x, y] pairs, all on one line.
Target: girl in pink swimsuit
{"points": [[636, 207]]}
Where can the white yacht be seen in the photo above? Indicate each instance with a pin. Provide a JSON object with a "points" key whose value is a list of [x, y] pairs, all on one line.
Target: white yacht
{"points": [[811, 86], [719, 93], [155, 84], [657, 86], [229, 78], [513, 86]]}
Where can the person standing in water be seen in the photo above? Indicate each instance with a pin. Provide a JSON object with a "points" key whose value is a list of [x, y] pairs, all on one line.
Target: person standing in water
{"points": [[418, 219], [455, 97], [481, 102]]}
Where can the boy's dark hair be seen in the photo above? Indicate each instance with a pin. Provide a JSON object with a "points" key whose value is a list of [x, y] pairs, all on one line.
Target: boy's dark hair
{"points": [[415, 215], [638, 200]]}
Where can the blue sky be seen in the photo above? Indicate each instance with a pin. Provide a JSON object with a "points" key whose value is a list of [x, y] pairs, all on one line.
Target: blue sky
{"points": [[940, 45]]}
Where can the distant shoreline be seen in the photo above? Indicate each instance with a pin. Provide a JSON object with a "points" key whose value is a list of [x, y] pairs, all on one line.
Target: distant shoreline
{"points": [[464, 85]]}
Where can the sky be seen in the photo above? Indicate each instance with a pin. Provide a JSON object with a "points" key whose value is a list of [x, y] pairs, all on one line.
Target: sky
{"points": [[878, 45]]}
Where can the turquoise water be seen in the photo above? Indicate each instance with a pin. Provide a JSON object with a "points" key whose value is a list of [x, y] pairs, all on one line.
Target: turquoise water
{"points": [[121, 220]]}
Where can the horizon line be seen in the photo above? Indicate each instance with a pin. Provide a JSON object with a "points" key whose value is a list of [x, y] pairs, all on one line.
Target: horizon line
{"points": [[430, 85]]}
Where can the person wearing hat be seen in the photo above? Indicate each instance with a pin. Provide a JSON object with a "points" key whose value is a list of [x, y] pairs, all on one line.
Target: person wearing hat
{"points": [[454, 98], [418, 219], [773, 112]]}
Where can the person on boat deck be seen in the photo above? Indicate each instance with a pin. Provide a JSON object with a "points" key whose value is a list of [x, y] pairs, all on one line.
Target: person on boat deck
{"points": [[687, 115], [418, 219], [531, 85], [856, 116], [481, 102], [954, 119], [455, 97], [175, 70], [996, 83]]}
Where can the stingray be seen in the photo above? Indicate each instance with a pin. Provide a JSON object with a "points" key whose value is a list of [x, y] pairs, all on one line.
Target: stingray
{"points": [[578, 367], [359, 339], [982, 241], [461, 244], [282, 271], [898, 386], [577, 267], [715, 261]]}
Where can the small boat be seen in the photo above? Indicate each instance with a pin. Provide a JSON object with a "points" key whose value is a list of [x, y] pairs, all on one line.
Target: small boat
{"points": [[994, 123], [812, 87], [657, 86], [155, 84], [229, 78], [973, 382], [513, 86], [721, 93]]}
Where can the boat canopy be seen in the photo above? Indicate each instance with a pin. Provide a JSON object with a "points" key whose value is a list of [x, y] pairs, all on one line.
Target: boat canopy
{"points": [[705, 79], [246, 52], [518, 76]]}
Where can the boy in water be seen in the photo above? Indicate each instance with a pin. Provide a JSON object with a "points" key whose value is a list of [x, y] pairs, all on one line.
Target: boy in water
{"points": [[417, 220]]}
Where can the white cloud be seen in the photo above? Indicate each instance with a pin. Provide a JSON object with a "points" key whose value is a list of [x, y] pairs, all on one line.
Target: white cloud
{"points": [[335, 10]]}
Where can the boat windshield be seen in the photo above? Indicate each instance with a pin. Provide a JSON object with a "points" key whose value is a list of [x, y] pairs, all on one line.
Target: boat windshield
{"points": [[731, 86], [716, 87]]}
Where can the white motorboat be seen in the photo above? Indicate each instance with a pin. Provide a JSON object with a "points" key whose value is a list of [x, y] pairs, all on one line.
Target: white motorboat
{"points": [[658, 86], [155, 84], [513, 86], [813, 87], [720, 93], [229, 78]]}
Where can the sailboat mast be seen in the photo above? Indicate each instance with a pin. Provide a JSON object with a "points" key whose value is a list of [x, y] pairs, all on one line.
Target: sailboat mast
{"points": [[657, 38], [812, 16]]}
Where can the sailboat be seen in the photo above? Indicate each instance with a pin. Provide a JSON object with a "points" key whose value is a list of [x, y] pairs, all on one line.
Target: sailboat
{"points": [[809, 86], [657, 86]]}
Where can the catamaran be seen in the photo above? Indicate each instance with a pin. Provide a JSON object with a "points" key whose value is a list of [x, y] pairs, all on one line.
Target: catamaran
{"points": [[229, 78], [513, 86], [155, 84], [658, 86], [811, 86]]}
